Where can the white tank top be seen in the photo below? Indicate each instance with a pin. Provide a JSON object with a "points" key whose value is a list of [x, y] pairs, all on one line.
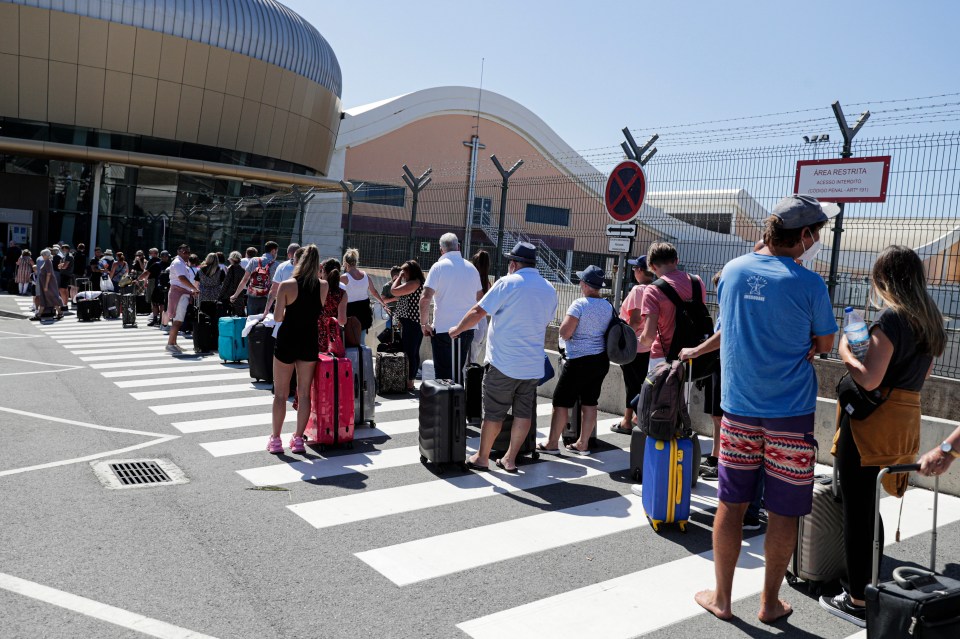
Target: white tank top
{"points": [[357, 290]]}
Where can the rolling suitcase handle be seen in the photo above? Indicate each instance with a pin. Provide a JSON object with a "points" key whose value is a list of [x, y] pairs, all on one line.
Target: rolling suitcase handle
{"points": [[456, 372], [901, 468]]}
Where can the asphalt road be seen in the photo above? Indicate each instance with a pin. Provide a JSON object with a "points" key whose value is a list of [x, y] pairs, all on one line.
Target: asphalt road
{"points": [[376, 544]]}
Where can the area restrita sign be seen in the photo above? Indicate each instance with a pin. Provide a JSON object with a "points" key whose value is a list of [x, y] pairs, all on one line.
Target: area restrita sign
{"points": [[844, 179]]}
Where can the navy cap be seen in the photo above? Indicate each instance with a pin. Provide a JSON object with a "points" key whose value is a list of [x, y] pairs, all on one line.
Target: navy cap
{"points": [[593, 276], [639, 262], [798, 211], [523, 252]]}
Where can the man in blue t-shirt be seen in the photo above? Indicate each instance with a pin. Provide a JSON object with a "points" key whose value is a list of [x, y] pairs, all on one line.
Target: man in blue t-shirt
{"points": [[774, 315]]}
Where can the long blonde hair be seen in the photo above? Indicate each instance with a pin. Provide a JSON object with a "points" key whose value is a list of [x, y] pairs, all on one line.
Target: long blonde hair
{"points": [[899, 280], [307, 269]]}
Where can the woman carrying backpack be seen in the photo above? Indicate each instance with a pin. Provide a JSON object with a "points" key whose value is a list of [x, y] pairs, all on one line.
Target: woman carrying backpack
{"points": [[583, 336]]}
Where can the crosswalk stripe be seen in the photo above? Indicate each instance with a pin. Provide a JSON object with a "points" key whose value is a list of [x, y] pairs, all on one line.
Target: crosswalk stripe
{"points": [[259, 443], [189, 379], [149, 347], [175, 371], [371, 504], [87, 328], [622, 607], [156, 353], [167, 393], [432, 557], [277, 474], [189, 407], [107, 342], [134, 361]]}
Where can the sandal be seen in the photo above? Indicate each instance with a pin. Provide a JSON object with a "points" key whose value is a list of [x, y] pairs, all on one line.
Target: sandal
{"points": [[512, 471], [576, 451], [548, 451], [618, 428]]}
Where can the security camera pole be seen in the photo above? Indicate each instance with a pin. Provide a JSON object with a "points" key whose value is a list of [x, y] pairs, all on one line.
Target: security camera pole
{"points": [[640, 155], [848, 135], [415, 184], [505, 174]]}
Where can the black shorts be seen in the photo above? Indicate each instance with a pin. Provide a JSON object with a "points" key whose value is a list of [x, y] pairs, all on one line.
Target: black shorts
{"points": [[291, 347], [581, 379], [711, 395], [66, 280]]}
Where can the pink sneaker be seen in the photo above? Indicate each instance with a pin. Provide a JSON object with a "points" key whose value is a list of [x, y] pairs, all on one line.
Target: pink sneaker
{"points": [[274, 446], [296, 445]]}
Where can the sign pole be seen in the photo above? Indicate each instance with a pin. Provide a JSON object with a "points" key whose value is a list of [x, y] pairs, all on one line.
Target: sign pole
{"points": [[848, 135]]}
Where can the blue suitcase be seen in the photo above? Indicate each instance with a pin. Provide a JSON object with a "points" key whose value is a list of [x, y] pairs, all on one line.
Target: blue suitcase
{"points": [[667, 476], [231, 344]]}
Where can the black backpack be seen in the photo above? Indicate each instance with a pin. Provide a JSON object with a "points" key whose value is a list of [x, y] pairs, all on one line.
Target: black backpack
{"points": [[692, 326]]}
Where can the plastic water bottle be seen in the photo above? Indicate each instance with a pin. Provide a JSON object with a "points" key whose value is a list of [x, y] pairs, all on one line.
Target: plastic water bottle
{"points": [[858, 337]]}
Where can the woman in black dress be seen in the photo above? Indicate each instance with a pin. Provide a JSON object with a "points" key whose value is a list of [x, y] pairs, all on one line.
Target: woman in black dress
{"points": [[300, 301]]}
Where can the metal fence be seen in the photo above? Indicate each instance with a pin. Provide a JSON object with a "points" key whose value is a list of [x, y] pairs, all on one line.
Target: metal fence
{"points": [[709, 204]]}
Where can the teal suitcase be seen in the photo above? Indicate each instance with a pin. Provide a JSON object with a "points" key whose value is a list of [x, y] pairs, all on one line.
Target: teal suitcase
{"points": [[231, 344]]}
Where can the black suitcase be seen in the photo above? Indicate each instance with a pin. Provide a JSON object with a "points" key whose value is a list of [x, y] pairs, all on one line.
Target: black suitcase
{"points": [[204, 333], [443, 425], [110, 302], [916, 602], [260, 351], [473, 387], [571, 432], [529, 447], [638, 441], [128, 310], [143, 305], [89, 310]]}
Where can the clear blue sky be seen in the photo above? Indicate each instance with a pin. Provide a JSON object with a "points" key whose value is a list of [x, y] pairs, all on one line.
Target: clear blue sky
{"points": [[589, 69]]}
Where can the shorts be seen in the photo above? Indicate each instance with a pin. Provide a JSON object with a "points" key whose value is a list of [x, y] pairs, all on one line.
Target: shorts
{"points": [[66, 281], [500, 393], [781, 448], [148, 289], [177, 301], [711, 395], [581, 379]]}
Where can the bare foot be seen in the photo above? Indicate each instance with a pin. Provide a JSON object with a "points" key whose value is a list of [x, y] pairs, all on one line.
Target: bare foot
{"points": [[771, 614], [708, 600]]}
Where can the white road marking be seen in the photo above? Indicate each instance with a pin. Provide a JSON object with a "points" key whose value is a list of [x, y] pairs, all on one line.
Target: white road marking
{"points": [[97, 610], [192, 379], [132, 362], [174, 372], [157, 352], [202, 390], [370, 504], [109, 343], [387, 406], [150, 347], [622, 607], [60, 368], [259, 443], [432, 557]]}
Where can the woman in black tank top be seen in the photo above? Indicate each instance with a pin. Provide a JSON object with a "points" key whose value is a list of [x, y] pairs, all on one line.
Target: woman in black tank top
{"points": [[299, 304]]}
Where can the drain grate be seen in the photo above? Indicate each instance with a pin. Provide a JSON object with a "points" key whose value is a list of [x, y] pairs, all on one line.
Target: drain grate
{"points": [[139, 473]]}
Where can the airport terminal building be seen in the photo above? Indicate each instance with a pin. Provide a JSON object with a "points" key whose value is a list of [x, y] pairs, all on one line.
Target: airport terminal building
{"points": [[148, 123]]}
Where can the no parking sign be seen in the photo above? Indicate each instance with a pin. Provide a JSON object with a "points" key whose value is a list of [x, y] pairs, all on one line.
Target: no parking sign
{"points": [[625, 190]]}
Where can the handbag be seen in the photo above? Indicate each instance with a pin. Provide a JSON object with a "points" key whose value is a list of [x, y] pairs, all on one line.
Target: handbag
{"points": [[126, 280], [548, 372], [856, 401], [106, 284], [621, 340]]}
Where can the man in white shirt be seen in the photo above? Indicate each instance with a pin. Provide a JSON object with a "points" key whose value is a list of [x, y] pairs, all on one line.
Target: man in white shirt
{"points": [[284, 272], [453, 286], [181, 286], [520, 306]]}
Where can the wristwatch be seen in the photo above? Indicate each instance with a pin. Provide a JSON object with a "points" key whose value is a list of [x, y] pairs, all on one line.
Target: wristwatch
{"points": [[948, 449]]}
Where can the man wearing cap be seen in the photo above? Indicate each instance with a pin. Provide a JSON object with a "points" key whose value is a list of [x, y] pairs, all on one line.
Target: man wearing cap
{"points": [[583, 337], [520, 306], [453, 286], [771, 309], [284, 272], [636, 371], [182, 287]]}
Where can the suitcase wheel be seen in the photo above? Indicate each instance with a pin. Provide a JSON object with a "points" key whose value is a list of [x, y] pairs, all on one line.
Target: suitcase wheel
{"points": [[350, 445], [463, 466], [655, 525], [683, 526], [534, 455], [423, 460]]}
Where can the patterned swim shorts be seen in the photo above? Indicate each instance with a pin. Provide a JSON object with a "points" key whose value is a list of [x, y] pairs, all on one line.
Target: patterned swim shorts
{"points": [[781, 447]]}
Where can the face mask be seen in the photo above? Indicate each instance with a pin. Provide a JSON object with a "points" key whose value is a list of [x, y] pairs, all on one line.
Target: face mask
{"points": [[809, 254]]}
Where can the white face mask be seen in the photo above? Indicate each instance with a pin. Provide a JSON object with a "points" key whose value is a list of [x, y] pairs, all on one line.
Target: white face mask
{"points": [[810, 254]]}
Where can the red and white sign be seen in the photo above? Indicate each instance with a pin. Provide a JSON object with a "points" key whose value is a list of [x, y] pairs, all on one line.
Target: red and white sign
{"points": [[626, 187], [844, 179]]}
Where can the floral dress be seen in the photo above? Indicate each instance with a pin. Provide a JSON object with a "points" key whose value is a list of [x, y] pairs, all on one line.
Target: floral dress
{"points": [[327, 323], [24, 269]]}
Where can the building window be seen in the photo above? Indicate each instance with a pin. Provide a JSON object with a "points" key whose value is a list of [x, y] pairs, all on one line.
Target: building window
{"points": [[481, 211], [540, 214], [716, 222], [385, 194]]}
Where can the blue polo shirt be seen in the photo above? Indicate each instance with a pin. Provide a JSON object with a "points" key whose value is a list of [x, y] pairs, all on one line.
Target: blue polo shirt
{"points": [[520, 308], [770, 308]]}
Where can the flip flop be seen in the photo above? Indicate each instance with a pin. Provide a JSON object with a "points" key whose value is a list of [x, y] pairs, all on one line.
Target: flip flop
{"points": [[548, 451], [577, 451], [512, 471], [617, 428], [477, 467]]}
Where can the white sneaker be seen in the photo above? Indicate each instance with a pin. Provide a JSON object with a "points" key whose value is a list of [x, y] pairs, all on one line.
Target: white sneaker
{"points": [[637, 489], [173, 348]]}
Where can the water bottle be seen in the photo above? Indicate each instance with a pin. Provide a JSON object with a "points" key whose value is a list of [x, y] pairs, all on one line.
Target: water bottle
{"points": [[858, 337]]}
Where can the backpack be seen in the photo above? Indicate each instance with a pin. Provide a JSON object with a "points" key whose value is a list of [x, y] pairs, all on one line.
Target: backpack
{"points": [[661, 407], [621, 340], [692, 325], [259, 284]]}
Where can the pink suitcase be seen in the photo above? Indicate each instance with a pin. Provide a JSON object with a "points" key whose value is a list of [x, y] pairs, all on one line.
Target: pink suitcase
{"points": [[331, 403]]}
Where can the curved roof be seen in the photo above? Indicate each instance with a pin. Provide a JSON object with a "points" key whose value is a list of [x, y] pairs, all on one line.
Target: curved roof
{"points": [[262, 29]]}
